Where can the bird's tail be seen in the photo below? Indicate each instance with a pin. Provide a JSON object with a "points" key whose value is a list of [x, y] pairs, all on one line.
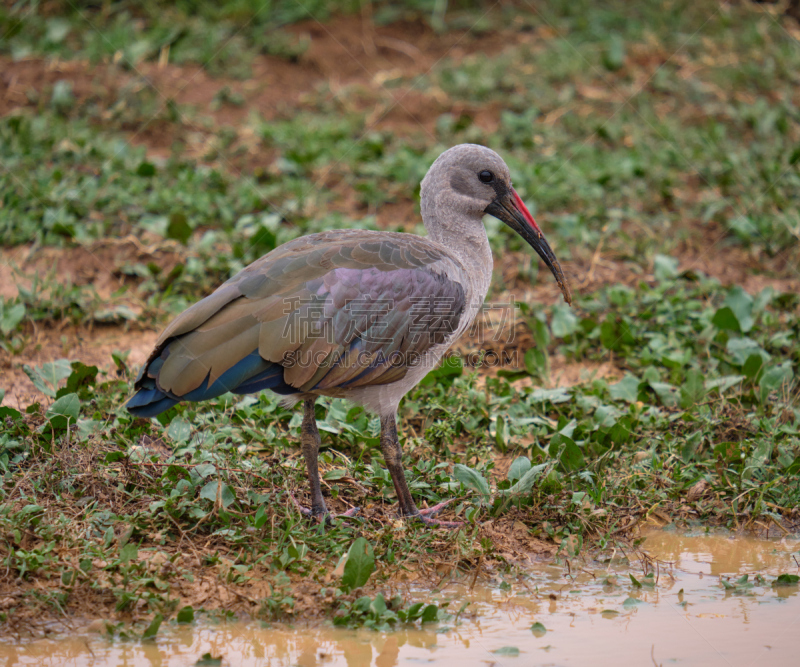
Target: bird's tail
{"points": [[248, 376], [149, 401]]}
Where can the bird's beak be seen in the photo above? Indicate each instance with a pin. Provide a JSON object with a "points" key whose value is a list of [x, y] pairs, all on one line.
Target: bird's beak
{"points": [[510, 208]]}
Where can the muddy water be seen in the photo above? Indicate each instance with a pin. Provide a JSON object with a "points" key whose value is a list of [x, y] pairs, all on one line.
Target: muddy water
{"points": [[688, 617]]}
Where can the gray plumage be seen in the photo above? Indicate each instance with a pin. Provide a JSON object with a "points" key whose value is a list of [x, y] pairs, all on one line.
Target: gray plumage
{"points": [[357, 314]]}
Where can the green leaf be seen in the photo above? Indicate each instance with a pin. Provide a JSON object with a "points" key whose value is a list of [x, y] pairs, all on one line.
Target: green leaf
{"points": [[741, 349], [146, 169], [502, 436], [359, 566], [472, 479], [9, 413], [627, 389], [122, 540], [667, 394], [536, 362], [414, 611], [512, 376], [609, 337], [763, 299], [677, 358], [631, 603], [526, 482], [129, 552], [450, 368], [560, 395], [693, 390], [787, 580], [430, 614], [210, 490], [774, 379], [46, 378], [794, 467], [538, 630], [620, 432], [261, 517], [63, 100], [519, 467], [725, 320], [178, 228], [67, 406], [152, 629], [540, 331], [204, 470], [752, 366], [564, 322], [569, 454], [63, 412], [114, 314], [665, 267], [724, 383], [173, 473], [614, 54], [615, 332], [81, 378], [728, 451], [214, 487], [186, 615], [741, 305], [179, 430], [11, 317], [635, 581], [263, 239], [378, 605], [228, 496], [57, 29], [507, 650]]}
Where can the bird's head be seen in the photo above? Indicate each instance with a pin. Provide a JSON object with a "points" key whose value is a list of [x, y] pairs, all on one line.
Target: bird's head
{"points": [[470, 181]]}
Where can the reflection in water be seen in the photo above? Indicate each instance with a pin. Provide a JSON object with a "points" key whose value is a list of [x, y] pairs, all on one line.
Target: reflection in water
{"points": [[689, 618], [719, 555]]}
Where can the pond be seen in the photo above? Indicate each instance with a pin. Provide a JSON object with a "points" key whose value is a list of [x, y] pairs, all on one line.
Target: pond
{"points": [[696, 608]]}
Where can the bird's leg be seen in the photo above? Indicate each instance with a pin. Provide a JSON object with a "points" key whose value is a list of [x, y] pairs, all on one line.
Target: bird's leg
{"points": [[390, 446], [311, 443], [392, 454]]}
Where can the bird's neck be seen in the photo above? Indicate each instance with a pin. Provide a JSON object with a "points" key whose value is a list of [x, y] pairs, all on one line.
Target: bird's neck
{"points": [[468, 242]]}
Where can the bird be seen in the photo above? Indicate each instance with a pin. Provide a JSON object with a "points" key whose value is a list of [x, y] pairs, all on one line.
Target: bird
{"points": [[350, 313]]}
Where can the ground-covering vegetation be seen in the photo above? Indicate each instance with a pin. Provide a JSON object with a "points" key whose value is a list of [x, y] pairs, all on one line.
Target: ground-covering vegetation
{"points": [[148, 153]]}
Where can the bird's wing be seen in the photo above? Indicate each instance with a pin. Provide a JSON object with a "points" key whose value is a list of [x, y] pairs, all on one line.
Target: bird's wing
{"points": [[332, 310]]}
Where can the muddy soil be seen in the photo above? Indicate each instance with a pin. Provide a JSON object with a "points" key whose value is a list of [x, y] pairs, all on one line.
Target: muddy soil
{"points": [[586, 613]]}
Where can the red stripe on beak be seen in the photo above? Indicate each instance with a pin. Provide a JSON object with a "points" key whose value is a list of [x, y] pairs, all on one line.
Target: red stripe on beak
{"points": [[526, 213]]}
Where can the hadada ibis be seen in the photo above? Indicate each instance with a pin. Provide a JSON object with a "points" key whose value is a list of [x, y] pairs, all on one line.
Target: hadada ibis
{"points": [[362, 315]]}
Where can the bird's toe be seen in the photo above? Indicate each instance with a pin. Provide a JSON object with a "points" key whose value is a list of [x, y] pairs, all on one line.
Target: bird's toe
{"points": [[321, 514], [427, 516], [432, 511]]}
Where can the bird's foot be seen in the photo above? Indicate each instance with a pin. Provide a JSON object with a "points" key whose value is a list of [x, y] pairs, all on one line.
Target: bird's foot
{"points": [[321, 514], [353, 511], [427, 516]]}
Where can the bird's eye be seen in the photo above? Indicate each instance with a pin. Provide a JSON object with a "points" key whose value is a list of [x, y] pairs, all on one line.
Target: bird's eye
{"points": [[486, 176]]}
